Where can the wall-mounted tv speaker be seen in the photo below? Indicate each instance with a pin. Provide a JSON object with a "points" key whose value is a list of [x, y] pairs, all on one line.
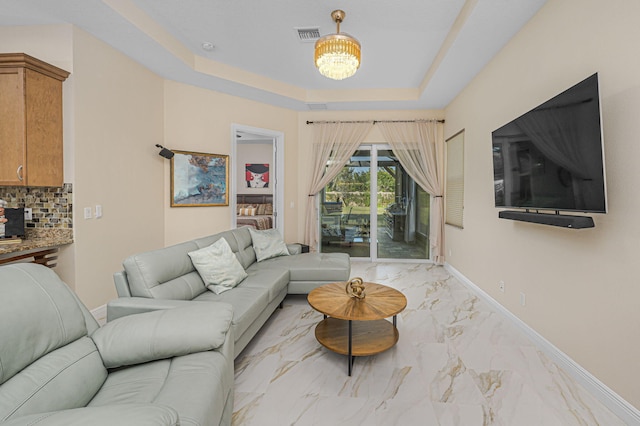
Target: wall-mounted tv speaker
{"points": [[565, 221]]}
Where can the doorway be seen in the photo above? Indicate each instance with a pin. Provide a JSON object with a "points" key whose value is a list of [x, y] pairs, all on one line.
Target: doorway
{"points": [[374, 210], [257, 176]]}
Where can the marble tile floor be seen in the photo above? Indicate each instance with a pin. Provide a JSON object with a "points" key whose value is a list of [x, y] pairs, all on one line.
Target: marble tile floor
{"points": [[457, 362]]}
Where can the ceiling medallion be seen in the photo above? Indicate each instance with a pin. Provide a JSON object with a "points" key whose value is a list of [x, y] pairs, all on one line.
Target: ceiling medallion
{"points": [[337, 56]]}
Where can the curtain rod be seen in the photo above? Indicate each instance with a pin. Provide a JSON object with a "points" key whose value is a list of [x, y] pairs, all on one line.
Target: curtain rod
{"points": [[377, 121]]}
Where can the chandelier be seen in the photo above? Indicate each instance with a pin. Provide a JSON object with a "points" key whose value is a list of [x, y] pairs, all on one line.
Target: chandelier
{"points": [[337, 55]]}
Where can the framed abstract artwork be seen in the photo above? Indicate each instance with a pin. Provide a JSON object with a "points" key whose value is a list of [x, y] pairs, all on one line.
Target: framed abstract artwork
{"points": [[199, 179]]}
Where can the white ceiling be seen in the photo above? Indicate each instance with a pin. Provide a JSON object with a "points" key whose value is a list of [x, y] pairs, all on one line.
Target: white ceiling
{"points": [[416, 54]]}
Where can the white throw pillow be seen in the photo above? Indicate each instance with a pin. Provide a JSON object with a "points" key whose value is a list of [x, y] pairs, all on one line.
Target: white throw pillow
{"points": [[268, 243], [218, 266], [249, 211]]}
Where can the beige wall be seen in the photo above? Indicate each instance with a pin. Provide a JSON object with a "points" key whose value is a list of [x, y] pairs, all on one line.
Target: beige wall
{"points": [[49, 43], [581, 286], [118, 117], [200, 120]]}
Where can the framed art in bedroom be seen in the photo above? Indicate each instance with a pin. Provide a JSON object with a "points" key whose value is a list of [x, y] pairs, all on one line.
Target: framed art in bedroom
{"points": [[257, 175], [199, 179]]}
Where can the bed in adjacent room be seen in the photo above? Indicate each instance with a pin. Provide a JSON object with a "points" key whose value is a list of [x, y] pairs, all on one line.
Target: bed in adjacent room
{"points": [[255, 211]]}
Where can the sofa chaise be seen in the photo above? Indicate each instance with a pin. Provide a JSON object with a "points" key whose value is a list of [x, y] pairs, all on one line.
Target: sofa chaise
{"points": [[58, 367], [167, 278]]}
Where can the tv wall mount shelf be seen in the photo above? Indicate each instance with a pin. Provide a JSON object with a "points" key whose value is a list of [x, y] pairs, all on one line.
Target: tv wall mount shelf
{"points": [[557, 219]]}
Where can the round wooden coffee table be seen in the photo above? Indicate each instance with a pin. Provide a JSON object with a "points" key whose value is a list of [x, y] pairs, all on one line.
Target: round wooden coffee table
{"points": [[357, 327]]}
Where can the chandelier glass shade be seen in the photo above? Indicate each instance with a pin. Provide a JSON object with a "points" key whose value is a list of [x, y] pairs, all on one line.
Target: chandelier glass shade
{"points": [[337, 56]]}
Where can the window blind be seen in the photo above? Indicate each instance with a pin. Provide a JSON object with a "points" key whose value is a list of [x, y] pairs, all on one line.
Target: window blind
{"points": [[454, 191]]}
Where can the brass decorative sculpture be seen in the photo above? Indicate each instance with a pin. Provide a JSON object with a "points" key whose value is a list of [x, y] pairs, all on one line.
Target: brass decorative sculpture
{"points": [[355, 288]]}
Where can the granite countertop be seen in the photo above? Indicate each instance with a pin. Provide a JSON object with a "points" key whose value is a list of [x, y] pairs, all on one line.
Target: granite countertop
{"points": [[40, 238]]}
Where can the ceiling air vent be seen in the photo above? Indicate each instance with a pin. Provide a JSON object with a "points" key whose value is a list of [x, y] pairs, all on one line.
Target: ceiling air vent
{"points": [[308, 35]]}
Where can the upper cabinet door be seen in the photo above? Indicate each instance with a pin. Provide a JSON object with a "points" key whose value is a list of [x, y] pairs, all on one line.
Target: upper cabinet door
{"points": [[12, 127], [31, 125]]}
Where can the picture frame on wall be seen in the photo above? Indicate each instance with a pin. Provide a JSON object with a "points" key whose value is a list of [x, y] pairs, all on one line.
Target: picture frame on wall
{"points": [[199, 179]]}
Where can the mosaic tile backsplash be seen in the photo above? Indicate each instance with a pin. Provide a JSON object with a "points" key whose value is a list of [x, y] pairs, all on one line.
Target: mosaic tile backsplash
{"points": [[51, 207]]}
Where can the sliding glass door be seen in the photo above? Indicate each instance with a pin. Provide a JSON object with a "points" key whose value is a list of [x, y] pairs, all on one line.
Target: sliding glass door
{"points": [[373, 209], [399, 236], [345, 213]]}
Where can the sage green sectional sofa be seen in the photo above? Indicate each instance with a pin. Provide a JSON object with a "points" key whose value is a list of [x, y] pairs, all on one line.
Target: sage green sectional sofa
{"points": [[170, 364], [166, 278]]}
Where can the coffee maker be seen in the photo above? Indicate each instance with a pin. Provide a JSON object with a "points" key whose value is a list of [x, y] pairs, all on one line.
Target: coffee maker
{"points": [[14, 225]]}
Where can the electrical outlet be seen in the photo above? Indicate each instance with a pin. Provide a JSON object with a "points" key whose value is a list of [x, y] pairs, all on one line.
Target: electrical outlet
{"points": [[28, 213], [523, 299], [501, 285]]}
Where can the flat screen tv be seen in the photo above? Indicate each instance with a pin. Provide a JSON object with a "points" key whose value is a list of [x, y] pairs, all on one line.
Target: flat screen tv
{"points": [[551, 158]]}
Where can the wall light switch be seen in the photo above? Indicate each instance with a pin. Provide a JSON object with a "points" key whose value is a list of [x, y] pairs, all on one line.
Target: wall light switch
{"points": [[28, 214], [98, 211], [87, 212]]}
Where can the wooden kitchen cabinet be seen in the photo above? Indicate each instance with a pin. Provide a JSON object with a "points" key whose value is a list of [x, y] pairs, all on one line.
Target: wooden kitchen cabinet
{"points": [[30, 121]]}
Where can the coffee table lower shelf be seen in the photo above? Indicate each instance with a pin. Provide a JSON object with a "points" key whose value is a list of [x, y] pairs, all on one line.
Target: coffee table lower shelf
{"points": [[366, 337]]}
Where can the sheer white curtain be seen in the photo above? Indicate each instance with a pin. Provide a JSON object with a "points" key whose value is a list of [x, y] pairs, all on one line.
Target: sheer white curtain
{"points": [[420, 149], [333, 145]]}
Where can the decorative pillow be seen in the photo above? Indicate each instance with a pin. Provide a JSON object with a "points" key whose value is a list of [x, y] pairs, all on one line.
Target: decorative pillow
{"points": [[268, 243], [249, 211], [243, 206], [218, 266]]}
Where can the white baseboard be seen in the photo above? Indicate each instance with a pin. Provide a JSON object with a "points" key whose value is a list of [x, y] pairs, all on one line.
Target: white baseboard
{"points": [[100, 314], [614, 402]]}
